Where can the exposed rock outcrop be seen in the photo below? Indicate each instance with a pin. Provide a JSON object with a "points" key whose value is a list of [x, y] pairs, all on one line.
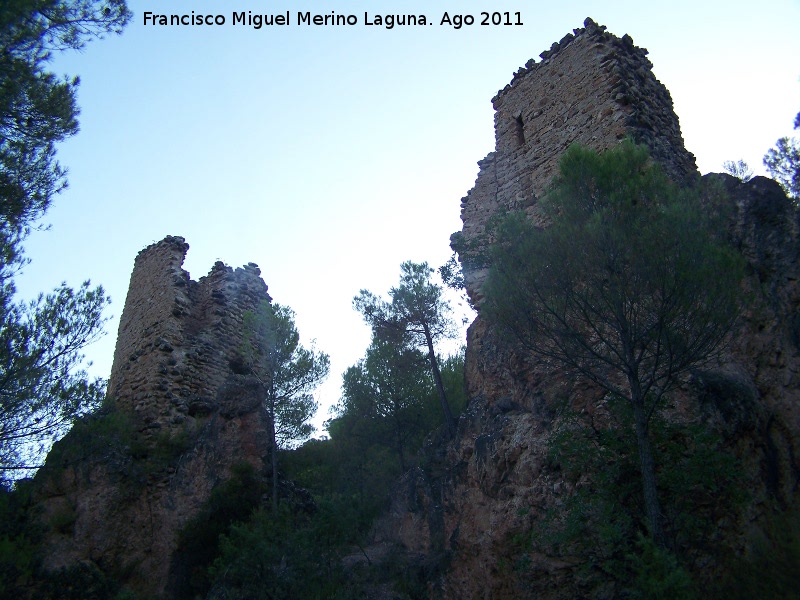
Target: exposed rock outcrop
{"points": [[116, 492]]}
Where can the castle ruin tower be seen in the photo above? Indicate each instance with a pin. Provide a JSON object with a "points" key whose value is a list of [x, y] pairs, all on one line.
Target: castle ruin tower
{"points": [[592, 88], [179, 339], [182, 416]]}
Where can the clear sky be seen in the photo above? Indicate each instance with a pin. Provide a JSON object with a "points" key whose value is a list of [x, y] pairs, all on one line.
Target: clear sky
{"points": [[329, 155]]}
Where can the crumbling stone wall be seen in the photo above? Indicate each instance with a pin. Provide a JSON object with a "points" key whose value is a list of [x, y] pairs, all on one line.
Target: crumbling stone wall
{"points": [[592, 88], [179, 339], [181, 413]]}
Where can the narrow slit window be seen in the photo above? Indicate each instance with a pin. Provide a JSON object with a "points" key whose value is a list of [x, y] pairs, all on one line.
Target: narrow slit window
{"points": [[520, 128]]}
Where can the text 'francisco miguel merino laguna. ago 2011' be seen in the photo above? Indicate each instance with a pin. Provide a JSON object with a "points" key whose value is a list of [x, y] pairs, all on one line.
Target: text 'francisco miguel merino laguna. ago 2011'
{"points": [[257, 21]]}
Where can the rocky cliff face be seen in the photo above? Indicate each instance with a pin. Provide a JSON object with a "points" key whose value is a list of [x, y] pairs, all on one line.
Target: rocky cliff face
{"points": [[117, 490], [494, 484]]}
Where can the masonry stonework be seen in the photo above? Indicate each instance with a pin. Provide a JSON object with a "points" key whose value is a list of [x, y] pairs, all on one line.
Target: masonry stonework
{"points": [[592, 88], [178, 376], [179, 339]]}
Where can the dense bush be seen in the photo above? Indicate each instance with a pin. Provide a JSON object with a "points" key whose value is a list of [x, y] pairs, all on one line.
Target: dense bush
{"points": [[602, 520], [199, 542]]}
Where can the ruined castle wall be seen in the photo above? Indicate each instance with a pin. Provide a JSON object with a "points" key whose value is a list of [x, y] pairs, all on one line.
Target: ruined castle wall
{"points": [[216, 323], [158, 291], [185, 402], [592, 88], [178, 339], [595, 89]]}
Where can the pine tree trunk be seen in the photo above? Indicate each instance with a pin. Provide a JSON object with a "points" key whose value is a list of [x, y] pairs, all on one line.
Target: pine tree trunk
{"points": [[398, 435], [437, 377], [274, 476], [647, 465], [274, 452], [401, 454]]}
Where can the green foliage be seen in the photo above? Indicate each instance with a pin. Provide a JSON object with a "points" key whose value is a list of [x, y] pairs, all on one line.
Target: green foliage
{"points": [[82, 581], [385, 393], [284, 555], [601, 521], [452, 273], [166, 449], [629, 278], [601, 514], [771, 567], [658, 576], [42, 388], [783, 163], [19, 540], [38, 110], [417, 316], [351, 475], [21, 572], [417, 312], [111, 437], [453, 380], [363, 450], [288, 371], [199, 541], [314, 466], [63, 520], [105, 435], [351, 466], [630, 286], [739, 169]]}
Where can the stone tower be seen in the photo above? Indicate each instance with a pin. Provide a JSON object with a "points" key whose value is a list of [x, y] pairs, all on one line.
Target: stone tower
{"points": [[592, 88], [178, 339], [181, 413]]}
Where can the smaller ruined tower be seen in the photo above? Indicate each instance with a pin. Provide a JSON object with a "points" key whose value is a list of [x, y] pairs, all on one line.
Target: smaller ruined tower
{"points": [[182, 412], [178, 339]]}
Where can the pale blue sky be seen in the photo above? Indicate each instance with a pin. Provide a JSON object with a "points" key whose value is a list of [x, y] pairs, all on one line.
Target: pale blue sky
{"points": [[329, 155]]}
